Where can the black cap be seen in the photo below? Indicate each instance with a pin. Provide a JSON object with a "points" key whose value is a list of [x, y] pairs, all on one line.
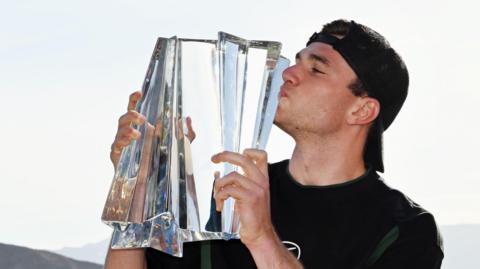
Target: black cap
{"points": [[381, 71]]}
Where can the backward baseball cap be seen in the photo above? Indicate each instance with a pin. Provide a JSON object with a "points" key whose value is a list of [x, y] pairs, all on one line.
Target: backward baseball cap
{"points": [[382, 73]]}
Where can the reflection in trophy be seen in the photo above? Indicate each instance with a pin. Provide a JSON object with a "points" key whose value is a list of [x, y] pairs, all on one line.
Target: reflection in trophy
{"points": [[199, 97]]}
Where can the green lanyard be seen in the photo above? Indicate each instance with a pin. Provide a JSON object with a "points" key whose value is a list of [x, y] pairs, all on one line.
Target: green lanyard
{"points": [[206, 255]]}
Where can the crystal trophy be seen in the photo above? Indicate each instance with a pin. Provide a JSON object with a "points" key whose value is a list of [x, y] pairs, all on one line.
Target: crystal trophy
{"points": [[227, 91]]}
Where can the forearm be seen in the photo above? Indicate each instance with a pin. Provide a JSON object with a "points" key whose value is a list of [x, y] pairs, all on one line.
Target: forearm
{"points": [[125, 259], [270, 253]]}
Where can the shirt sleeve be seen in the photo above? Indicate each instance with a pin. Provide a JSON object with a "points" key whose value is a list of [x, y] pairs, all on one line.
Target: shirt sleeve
{"points": [[428, 258], [419, 245]]}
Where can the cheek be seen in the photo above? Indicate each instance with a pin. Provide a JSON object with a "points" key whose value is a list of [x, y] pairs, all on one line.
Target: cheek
{"points": [[331, 105], [337, 99], [283, 110]]}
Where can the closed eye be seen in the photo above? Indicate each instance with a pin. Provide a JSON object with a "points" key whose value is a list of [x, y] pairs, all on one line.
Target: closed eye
{"points": [[315, 70]]}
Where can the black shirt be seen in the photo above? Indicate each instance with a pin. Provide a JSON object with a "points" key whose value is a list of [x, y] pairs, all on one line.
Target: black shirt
{"points": [[358, 224]]}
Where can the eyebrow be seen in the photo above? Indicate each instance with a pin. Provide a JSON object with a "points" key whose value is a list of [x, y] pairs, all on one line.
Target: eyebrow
{"points": [[315, 57]]}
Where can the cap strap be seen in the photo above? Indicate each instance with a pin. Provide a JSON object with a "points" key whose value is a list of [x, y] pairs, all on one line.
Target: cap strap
{"points": [[324, 38]]}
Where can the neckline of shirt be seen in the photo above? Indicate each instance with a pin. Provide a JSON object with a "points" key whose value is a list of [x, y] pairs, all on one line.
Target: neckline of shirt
{"points": [[353, 187]]}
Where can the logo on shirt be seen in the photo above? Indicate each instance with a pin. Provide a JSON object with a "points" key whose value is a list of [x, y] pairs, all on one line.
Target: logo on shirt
{"points": [[294, 248]]}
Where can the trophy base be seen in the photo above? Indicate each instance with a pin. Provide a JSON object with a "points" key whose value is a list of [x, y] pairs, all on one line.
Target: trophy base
{"points": [[161, 233]]}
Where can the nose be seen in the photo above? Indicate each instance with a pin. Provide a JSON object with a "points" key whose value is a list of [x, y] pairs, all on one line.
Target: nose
{"points": [[291, 75]]}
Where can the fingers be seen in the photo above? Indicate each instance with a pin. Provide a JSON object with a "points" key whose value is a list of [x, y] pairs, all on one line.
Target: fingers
{"points": [[235, 179], [259, 157], [125, 133], [130, 117], [158, 127], [244, 162], [235, 192], [124, 137], [219, 202], [238, 187], [233, 185], [133, 99], [191, 133]]}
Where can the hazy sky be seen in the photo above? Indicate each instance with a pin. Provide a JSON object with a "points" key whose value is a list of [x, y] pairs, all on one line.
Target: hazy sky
{"points": [[67, 68]]}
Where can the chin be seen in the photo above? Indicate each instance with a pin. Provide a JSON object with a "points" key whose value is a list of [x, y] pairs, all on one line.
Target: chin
{"points": [[284, 128], [277, 121]]}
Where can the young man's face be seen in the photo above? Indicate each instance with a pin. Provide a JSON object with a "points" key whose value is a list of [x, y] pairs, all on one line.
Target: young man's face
{"points": [[315, 96]]}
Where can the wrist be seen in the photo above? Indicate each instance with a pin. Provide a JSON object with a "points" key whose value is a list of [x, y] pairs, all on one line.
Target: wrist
{"points": [[268, 251], [266, 241]]}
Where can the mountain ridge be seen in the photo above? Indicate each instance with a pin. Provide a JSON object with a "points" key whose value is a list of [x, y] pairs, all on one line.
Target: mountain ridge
{"points": [[92, 252], [18, 257], [461, 241]]}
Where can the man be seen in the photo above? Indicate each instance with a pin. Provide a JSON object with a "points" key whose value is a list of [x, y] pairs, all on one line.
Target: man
{"points": [[325, 207]]}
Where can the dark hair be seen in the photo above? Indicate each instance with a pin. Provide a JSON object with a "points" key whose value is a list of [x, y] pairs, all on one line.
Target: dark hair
{"points": [[341, 28], [381, 74]]}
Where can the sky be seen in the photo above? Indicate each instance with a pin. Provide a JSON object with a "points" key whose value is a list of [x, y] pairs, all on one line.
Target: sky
{"points": [[67, 68]]}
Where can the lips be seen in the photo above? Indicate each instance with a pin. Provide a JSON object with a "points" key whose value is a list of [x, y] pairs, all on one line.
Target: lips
{"points": [[283, 92]]}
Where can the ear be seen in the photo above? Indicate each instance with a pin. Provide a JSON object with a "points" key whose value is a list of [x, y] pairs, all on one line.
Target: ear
{"points": [[364, 111]]}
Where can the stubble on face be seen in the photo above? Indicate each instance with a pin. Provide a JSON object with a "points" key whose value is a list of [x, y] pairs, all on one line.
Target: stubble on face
{"points": [[315, 95]]}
